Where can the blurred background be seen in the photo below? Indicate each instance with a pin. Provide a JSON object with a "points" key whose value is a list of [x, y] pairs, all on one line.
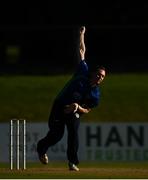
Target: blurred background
{"points": [[40, 38]]}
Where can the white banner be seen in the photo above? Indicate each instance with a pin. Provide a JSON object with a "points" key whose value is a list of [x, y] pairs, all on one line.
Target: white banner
{"points": [[98, 142], [116, 141]]}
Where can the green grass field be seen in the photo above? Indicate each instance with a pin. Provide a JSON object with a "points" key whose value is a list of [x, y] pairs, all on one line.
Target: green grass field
{"points": [[88, 170], [124, 98]]}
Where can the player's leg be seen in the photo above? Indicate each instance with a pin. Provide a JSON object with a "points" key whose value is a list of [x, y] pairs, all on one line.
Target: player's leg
{"points": [[54, 135], [73, 141]]}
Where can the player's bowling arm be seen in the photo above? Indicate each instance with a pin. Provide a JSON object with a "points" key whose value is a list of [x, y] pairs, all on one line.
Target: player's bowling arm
{"points": [[82, 47]]}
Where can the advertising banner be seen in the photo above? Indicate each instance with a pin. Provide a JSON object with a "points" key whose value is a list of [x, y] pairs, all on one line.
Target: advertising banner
{"points": [[97, 142]]}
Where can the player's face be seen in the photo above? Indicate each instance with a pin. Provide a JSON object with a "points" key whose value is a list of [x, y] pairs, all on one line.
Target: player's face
{"points": [[98, 77]]}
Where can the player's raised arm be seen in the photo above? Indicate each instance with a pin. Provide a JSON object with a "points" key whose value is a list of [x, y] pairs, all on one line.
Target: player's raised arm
{"points": [[82, 47]]}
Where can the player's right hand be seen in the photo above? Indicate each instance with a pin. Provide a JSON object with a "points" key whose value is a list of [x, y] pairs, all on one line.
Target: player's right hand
{"points": [[82, 30]]}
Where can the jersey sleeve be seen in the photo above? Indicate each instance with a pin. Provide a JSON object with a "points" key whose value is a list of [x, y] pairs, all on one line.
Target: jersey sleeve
{"points": [[93, 98], [82, 69]]}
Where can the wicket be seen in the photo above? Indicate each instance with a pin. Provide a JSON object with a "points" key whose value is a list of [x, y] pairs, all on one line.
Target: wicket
{"points": [[15, 125]]}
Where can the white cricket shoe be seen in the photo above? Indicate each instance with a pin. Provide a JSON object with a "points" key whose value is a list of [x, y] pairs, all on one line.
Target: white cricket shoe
{"points": [[43, 158], [73, 167]]}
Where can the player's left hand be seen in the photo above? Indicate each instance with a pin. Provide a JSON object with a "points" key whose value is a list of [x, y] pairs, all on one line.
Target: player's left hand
{"points": [[72, 108]]}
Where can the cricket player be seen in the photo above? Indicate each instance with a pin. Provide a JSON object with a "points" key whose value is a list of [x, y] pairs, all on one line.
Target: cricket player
{"points": [[78, 97]]}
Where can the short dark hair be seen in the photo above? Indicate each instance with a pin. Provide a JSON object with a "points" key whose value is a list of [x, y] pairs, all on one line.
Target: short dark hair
{"points": [[96, 68], [101, 67]]}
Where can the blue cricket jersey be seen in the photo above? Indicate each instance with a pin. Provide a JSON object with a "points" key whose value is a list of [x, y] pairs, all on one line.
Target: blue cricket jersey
{"points": [[78, 89]]}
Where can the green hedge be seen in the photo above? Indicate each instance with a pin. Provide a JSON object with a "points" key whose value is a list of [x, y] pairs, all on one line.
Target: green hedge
{"points": [[124, 98]]}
